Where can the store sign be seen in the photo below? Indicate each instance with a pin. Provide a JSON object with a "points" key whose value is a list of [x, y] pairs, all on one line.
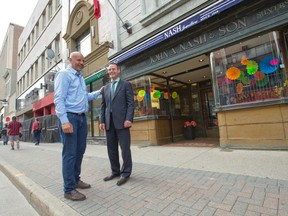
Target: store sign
{"points": [[195, 19]]}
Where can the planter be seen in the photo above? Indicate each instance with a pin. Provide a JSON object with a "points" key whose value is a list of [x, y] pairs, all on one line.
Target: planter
{"points": [[189, 133]]}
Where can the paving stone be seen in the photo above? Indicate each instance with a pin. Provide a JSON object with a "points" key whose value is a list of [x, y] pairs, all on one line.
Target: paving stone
{"points": [[239, 208]]}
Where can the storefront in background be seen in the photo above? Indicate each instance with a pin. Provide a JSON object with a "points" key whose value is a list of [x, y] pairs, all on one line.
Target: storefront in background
{"points": [[239, 95]]}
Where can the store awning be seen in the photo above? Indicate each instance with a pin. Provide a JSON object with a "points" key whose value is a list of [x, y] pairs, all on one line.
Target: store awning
{"points": [[95, 76]]}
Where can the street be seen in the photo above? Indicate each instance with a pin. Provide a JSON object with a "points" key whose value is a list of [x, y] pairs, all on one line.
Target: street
{"points": [[12, 202], [165, 181]]}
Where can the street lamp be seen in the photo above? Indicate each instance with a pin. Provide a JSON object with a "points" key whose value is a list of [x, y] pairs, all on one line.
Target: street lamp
{"points": [[4, 102]]}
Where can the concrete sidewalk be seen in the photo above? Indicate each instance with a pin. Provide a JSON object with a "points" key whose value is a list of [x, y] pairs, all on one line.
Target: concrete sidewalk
{"points": [[165, 181]]}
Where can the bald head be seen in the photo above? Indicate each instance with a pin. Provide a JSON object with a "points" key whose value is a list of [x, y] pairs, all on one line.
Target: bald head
{"points": [[77, 61], [73, 54]]}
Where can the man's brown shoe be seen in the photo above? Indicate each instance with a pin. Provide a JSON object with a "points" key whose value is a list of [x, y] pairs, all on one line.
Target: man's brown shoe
{"points": [[83, 185], [75, 196], [122, 181], [112, 176]]}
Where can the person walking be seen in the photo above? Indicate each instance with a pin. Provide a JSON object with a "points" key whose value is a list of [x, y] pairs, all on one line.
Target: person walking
{"points": [[71, 101], [14, 132], [117, 112], [36, 130], [4, 135]]}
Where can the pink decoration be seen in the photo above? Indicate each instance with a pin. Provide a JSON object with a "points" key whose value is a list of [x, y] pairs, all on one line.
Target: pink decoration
{"points": [[274, 62], [228, 81]]}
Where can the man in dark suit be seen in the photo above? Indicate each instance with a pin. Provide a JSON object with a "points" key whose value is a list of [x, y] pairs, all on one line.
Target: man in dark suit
{"points": [[117, 111]]}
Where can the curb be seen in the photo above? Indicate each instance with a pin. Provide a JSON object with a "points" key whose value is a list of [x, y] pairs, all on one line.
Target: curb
{"points": [[41, 200]]}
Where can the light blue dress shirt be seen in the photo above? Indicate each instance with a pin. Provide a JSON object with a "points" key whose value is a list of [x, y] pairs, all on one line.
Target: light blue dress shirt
{"points": [[70, 94]]}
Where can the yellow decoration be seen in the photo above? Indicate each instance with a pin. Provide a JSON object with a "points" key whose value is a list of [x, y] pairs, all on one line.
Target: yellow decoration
{"points": [[141, 93], [174, 95], [233, 73]]}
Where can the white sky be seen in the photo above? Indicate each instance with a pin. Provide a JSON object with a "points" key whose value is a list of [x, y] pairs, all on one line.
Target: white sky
{"points": [[17, 12]]}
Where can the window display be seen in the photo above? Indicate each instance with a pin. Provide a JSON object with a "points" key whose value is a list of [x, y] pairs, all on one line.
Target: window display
{"points": [[151, 97], [251, 71]]}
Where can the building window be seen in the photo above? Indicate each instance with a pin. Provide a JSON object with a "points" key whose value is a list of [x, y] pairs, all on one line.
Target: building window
{"points": [[249, 72], [83, 43], [42, 63], [57, 48], [36, 31], [43, 21], [150, 6], [50, 8], [36, 70]]}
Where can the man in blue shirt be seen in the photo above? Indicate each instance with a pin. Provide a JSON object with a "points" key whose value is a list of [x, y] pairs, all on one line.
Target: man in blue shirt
{"points": [[71, 101]]}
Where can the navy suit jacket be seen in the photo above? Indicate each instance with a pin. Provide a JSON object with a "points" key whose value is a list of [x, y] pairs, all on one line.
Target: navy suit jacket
{"points": [[122, 104]]}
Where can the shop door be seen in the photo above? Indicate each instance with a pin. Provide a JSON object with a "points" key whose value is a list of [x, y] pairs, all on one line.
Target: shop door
{"points": [[208, 111]]}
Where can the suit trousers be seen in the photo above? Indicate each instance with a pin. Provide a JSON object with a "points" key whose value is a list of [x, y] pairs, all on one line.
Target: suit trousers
{"points": [[121, 136]]}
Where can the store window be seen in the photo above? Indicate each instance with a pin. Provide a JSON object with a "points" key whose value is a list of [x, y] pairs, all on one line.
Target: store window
{"points": [[151, 98], [249, 72]]}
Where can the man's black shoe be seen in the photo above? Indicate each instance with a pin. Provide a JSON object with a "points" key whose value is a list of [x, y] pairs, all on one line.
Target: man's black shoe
{"points": [[112, 176], [122, 181]]}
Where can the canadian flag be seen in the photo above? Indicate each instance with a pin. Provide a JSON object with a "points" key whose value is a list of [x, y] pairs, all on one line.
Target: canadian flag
{"points": [[97, 11]]}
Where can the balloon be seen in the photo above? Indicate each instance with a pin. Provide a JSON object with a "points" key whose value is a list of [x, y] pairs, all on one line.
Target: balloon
{"points": [[166, 95], [140, 98], [141, 93], [147, 97], [174, 95], [157, 94]]}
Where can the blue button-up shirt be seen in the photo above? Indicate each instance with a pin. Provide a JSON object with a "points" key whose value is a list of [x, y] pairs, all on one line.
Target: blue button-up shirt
{"points": [[70, 93]]}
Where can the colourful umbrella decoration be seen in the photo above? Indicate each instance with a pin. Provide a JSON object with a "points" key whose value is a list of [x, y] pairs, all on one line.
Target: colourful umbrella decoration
{"points": [[252, 67], [242, 75], [246, 81], [263, 82], [266, 66], [244, 60], [259, 75], [233, 73], [228, 81], [239, 88]]}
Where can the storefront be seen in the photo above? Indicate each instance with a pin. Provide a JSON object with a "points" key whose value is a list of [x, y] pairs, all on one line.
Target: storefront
{"points": [[227, 73]]}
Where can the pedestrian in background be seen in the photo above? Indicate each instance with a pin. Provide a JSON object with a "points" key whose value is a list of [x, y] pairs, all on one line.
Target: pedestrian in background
{"points": [[14, 132], [36, 130], [4, 135], [117, 112], [71, 101]]}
